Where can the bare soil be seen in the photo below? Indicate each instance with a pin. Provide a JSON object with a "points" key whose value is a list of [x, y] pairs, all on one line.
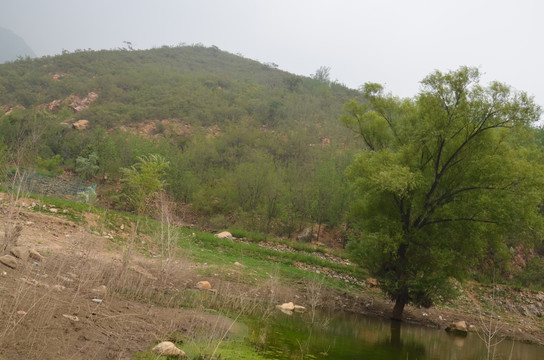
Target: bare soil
{"points": [[55, 308]]}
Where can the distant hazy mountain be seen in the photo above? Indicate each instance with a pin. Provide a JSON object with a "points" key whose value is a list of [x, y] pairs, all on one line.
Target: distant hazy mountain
{"points": [[12, 46]]}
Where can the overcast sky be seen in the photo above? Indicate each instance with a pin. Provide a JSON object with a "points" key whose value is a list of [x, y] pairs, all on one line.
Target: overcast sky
{"points": [[393, 42]]}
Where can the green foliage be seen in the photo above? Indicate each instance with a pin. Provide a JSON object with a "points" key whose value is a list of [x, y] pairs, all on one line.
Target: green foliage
{"points": [[444, 178], [144, 180], [51, 165], [87, 167]]}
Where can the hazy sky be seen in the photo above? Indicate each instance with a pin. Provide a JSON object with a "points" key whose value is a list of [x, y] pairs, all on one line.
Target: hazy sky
{"points": [[393, 42]]}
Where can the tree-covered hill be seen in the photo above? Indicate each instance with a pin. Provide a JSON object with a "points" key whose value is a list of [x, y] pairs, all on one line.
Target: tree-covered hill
{"points": [[199, 85], [245, 142]]}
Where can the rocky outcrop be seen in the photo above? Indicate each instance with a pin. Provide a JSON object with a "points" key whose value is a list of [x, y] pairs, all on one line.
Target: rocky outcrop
{"points": [[166, 348], [81, 125], [79, 104]]}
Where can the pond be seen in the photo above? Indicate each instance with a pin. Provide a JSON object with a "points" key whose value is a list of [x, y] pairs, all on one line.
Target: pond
{"points": [[350, 336]]}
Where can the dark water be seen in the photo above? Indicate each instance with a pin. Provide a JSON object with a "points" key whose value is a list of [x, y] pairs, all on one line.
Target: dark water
{"points": [[348, 336]]}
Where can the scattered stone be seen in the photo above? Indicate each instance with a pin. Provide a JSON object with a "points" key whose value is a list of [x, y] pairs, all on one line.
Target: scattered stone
{"points": [[21, 312], [4, 273], [224, 235], [20, 252], [71, 317], [299, 308], [35, 255], [53, 210], [203, 285], [9, 261], [166, 348], [98, 301], [59, 287], [238, 264], [371, 282], [458, 328]]}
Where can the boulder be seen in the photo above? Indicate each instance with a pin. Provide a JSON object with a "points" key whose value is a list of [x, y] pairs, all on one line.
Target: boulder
{"points": [[9, 261], [203, 285], [19, 252], [458, 328], [224, 235], [166, 348]]}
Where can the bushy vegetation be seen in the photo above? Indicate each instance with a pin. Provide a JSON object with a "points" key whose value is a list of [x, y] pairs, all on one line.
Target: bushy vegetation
{"points": [[247, 145]]}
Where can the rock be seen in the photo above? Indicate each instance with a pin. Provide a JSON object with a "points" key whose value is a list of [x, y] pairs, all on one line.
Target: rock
{"points": [[166, 348], [71, 317], [35, 255], [21, 312], [305, 235], [224, 235], [530, 310], [238, 264], [98, 301], [81, 125], [299, 308], [54, 210], [287, 306], [20, 252], [371, 282], [203, 285], [9, 261], [458, 328], [58, 287]]}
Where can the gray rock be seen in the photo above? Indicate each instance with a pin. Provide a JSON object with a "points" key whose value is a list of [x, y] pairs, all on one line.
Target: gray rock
{"points": [[9, 261]]}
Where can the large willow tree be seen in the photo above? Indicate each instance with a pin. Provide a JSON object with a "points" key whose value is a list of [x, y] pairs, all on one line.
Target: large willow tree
{"points": [[443, 178]]}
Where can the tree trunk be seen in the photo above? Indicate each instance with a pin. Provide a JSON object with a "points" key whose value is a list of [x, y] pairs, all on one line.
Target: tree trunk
{"points": [[398, 309]]}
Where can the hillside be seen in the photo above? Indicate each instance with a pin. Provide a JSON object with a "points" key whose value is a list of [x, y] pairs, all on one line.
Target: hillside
{"points": [[218, 119]]}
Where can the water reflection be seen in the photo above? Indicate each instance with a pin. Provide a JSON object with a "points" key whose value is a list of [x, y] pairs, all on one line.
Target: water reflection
{"points": [[349, 336]]}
